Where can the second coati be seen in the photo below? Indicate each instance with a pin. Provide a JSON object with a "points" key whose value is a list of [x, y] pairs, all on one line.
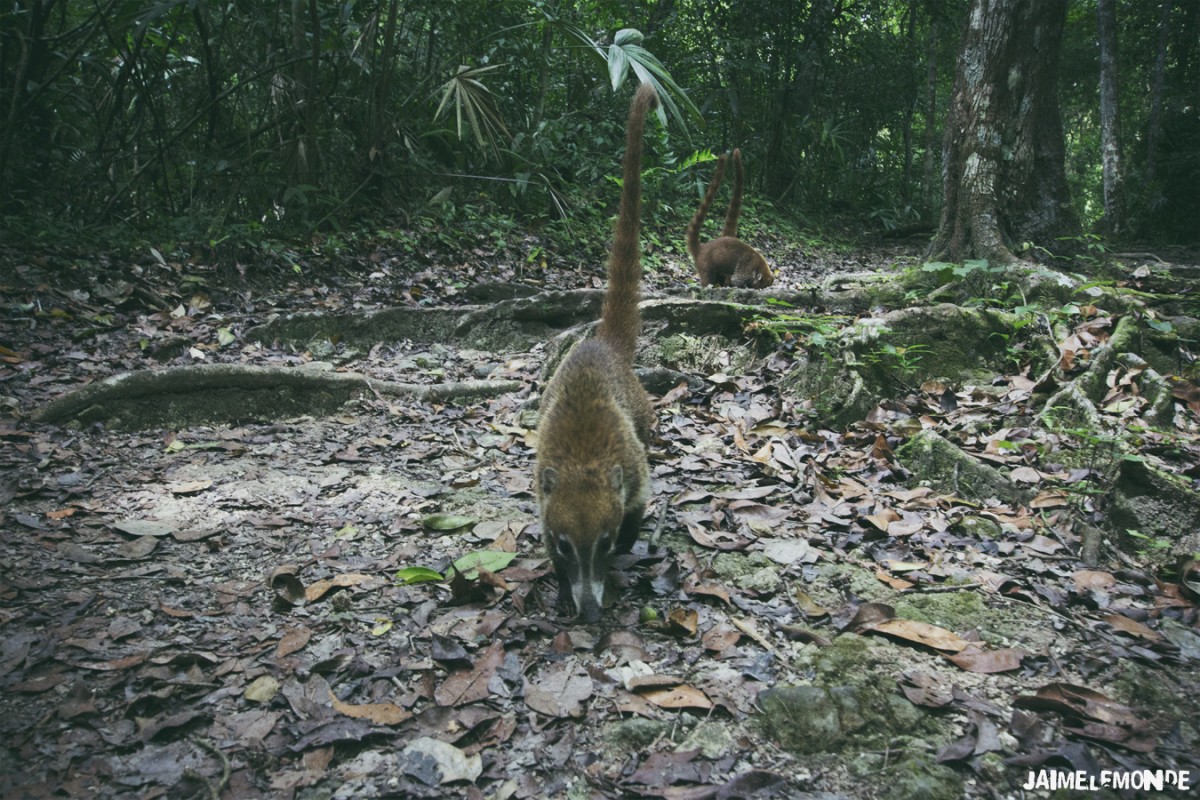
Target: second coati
{"points": [[591, 476], [727, 260]]}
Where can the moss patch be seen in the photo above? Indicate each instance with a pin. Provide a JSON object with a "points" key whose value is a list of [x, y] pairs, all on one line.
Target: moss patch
{"points": [[920, 778], [1160, 507], [626, 736], [939, 463], [853, 703]]}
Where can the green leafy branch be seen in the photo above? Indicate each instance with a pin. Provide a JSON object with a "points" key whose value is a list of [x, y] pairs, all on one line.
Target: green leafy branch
{"points": [[626, 53]]}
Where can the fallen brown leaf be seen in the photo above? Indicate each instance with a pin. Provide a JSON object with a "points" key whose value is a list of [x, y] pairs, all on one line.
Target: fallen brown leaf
{"points": [[899, 584], [559, 690], [720, 638], [379, 713], [1133, 627], [683, 622], [679, 697], [471, 685], [921, 633], [1092, 715], [988, 661], [923, 689], [316, 591], [292, 640]]}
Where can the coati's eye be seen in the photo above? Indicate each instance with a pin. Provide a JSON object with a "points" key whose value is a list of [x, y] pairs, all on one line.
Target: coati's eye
{"points": [[605, 545], [564, 546]]}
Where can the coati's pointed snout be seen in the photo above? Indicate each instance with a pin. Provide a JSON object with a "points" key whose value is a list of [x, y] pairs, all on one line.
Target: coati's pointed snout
{"points": [[590, 613]]}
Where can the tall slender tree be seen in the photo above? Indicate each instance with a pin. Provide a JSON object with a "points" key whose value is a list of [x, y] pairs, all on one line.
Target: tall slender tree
{"points": [[1003, 151], [1154, 123], [1113, 220], [931, 81]]}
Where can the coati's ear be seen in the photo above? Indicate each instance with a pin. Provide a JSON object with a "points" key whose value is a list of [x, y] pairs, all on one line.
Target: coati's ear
{"points": [[616, 478], [549, 479]]}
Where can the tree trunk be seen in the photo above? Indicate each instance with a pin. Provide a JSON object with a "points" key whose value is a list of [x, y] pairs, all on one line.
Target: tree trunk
{"points": [[1113, 221], [304, 155], [539, 108], [910, 111], [380, 92], [1154, 123], [212, 73], [27, 53], [931, 45], [1003, 151]]}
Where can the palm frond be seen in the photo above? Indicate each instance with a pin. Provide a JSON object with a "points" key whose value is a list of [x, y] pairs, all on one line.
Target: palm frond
{"points": [[626, 53], [474, 105]]}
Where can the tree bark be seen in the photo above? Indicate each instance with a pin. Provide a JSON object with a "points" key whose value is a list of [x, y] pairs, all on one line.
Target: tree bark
{"points": [[1003, 152], [1154, 123], [1113, 221], [380, 92], [26, 56], [304, 154], [906, 131], [931, 76]]}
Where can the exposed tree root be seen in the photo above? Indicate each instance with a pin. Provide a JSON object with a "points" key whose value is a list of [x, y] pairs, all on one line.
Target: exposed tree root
{"points": [[234, 392]]}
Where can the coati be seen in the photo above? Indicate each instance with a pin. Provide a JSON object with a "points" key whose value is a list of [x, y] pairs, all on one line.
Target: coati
{"points": [[726, 260], [591, 475]]}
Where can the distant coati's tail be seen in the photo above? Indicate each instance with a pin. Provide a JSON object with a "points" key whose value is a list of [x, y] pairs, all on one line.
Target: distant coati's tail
{"points": [[621, 321], [693, 231], [735, 202]]}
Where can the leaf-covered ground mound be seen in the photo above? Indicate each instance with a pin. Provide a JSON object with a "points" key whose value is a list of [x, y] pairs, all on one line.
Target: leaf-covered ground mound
{"points": [[882, 558]]}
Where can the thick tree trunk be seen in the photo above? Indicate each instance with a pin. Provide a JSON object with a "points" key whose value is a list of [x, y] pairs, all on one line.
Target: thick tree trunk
{"points": [[1003, 151], [1110, 120]]}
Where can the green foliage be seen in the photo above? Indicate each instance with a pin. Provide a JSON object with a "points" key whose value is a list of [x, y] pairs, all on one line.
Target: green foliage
{"points": [[626, 54], [227, 126], [474, 103], [1150, 546], [1093, 449], [975, 280], [902, 358], [491, 560], [813, 331], [1086, 252], [1160, 182], [410, 575]]}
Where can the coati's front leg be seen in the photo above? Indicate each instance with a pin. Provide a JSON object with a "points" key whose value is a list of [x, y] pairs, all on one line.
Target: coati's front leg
{"points": [[631, 524], [565, 605]]}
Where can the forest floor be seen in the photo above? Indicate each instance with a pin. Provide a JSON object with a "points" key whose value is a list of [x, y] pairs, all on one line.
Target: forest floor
{"points": [[268, 609]]}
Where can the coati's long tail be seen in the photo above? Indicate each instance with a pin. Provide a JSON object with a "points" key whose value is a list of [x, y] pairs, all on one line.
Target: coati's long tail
{"points": [[621, 321], [693, 230], [735, 202]]}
